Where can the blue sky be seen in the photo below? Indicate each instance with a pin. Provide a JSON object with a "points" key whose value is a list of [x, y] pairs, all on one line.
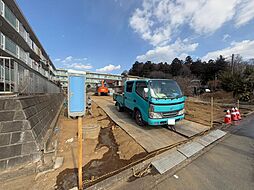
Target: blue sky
{"points": [[110, 35]]}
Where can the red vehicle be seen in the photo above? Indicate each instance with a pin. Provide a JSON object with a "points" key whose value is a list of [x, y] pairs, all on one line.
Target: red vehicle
{"points": [[102, 89]]}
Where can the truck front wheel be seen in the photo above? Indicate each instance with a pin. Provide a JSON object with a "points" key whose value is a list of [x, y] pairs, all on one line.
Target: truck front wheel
{"points": [[138, 118], [118, 107]]}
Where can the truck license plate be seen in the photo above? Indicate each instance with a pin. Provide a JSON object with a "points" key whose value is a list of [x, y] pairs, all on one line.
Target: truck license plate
{"points": [[171, 122]]}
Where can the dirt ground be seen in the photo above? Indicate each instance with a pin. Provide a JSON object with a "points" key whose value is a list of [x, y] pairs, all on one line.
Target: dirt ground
{"points": [[201, 112], [199, 109], [112, 150]]}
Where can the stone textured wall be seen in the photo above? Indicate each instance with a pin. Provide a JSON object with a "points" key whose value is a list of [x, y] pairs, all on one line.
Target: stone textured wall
{"points": [[24, 122]]}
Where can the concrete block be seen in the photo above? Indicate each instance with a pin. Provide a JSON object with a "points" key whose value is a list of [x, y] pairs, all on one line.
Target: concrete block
{"points": [[28, 136], [2, 103], [7, 115], [168, 161], [205, 140], [26, 125], [37, 129], [39, 139], [5, 139], [27, 102], [42, 114], [10, 151], [19, 115], [26, 133], [11, 126], [30, 111], [19, 160], [41, 106], [45, 121], [16, 138], [217, 134], [33, 120], [190, 149], [29, 148], [3, 164], [43, 132], [12, 104]]}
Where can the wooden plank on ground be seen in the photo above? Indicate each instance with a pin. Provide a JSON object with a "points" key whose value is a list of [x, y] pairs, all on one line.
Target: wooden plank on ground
{"points": [[189, 128], [150, 138]]}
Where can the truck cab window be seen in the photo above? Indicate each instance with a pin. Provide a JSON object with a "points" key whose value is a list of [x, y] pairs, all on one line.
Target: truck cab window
{"points": [[140, 85], [129, 86]]}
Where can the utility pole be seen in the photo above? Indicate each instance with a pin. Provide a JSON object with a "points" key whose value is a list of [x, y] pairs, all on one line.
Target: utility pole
{"points": [[232, 63]]}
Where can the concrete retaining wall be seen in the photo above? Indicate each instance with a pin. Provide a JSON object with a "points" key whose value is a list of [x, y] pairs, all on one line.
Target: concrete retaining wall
{"points": [[24, 122]]}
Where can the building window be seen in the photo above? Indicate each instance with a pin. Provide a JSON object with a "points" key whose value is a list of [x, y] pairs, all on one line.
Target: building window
{"points": [[10, 17], [29, 41], [22, 55], [22, 31], [1, 8], [10, 46], [1, 41]]}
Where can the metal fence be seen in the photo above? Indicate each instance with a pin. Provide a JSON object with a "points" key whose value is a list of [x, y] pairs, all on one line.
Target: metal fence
{"points": [[16, 78]]}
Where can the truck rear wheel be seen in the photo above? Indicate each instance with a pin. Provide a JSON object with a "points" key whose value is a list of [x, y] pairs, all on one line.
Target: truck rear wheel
{"points": [[138, 118]]}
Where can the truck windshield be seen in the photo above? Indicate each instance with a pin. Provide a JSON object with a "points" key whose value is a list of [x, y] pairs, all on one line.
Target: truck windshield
{"points": [[164, 89]]}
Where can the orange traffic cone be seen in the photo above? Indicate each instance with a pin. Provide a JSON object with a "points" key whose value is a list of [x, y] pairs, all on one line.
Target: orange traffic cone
{"points": [[233, 115], [237, 111], [227, 118]]}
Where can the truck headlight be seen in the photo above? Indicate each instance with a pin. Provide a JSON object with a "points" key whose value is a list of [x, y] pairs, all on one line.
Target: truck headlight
{"points": [[181, 112], [155, 115]]}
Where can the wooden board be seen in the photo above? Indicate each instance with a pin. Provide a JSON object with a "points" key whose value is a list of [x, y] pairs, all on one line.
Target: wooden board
{"points": [[151, 138], [189, 128]]}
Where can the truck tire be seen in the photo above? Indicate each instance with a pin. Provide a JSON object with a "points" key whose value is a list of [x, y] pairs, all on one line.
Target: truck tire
{"points": [[118, 107], [138, 118]]}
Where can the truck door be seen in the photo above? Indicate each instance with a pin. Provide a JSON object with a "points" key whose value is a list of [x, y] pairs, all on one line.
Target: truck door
{"points": [[142, 98], [128, 95]]}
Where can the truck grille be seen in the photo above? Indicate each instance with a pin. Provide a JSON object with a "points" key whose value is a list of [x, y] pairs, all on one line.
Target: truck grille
{"points": [[169, 114]]}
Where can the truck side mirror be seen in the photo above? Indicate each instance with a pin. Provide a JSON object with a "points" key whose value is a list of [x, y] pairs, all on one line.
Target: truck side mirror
{"points": [[145, 93]]}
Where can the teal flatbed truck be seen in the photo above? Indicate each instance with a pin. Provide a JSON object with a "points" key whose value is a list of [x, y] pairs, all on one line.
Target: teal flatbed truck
{"points": [[152, 101]]}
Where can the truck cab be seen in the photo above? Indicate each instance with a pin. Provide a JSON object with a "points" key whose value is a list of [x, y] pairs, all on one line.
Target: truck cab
{"points": [[153, 101]]}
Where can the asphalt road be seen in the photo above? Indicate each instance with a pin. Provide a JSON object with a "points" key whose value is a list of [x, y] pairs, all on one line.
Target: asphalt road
{"points": [[228, 165]]}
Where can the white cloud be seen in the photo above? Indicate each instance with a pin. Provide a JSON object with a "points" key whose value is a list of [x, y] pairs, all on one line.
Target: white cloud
{"points": [[80, 59], [169, 52], [157, 21], [109, 68], [74, 63], [212, 14], [67, 59], [225, 37], [245, 13], [80, 66], [57, 59], [245, 48], [71, 59]]}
